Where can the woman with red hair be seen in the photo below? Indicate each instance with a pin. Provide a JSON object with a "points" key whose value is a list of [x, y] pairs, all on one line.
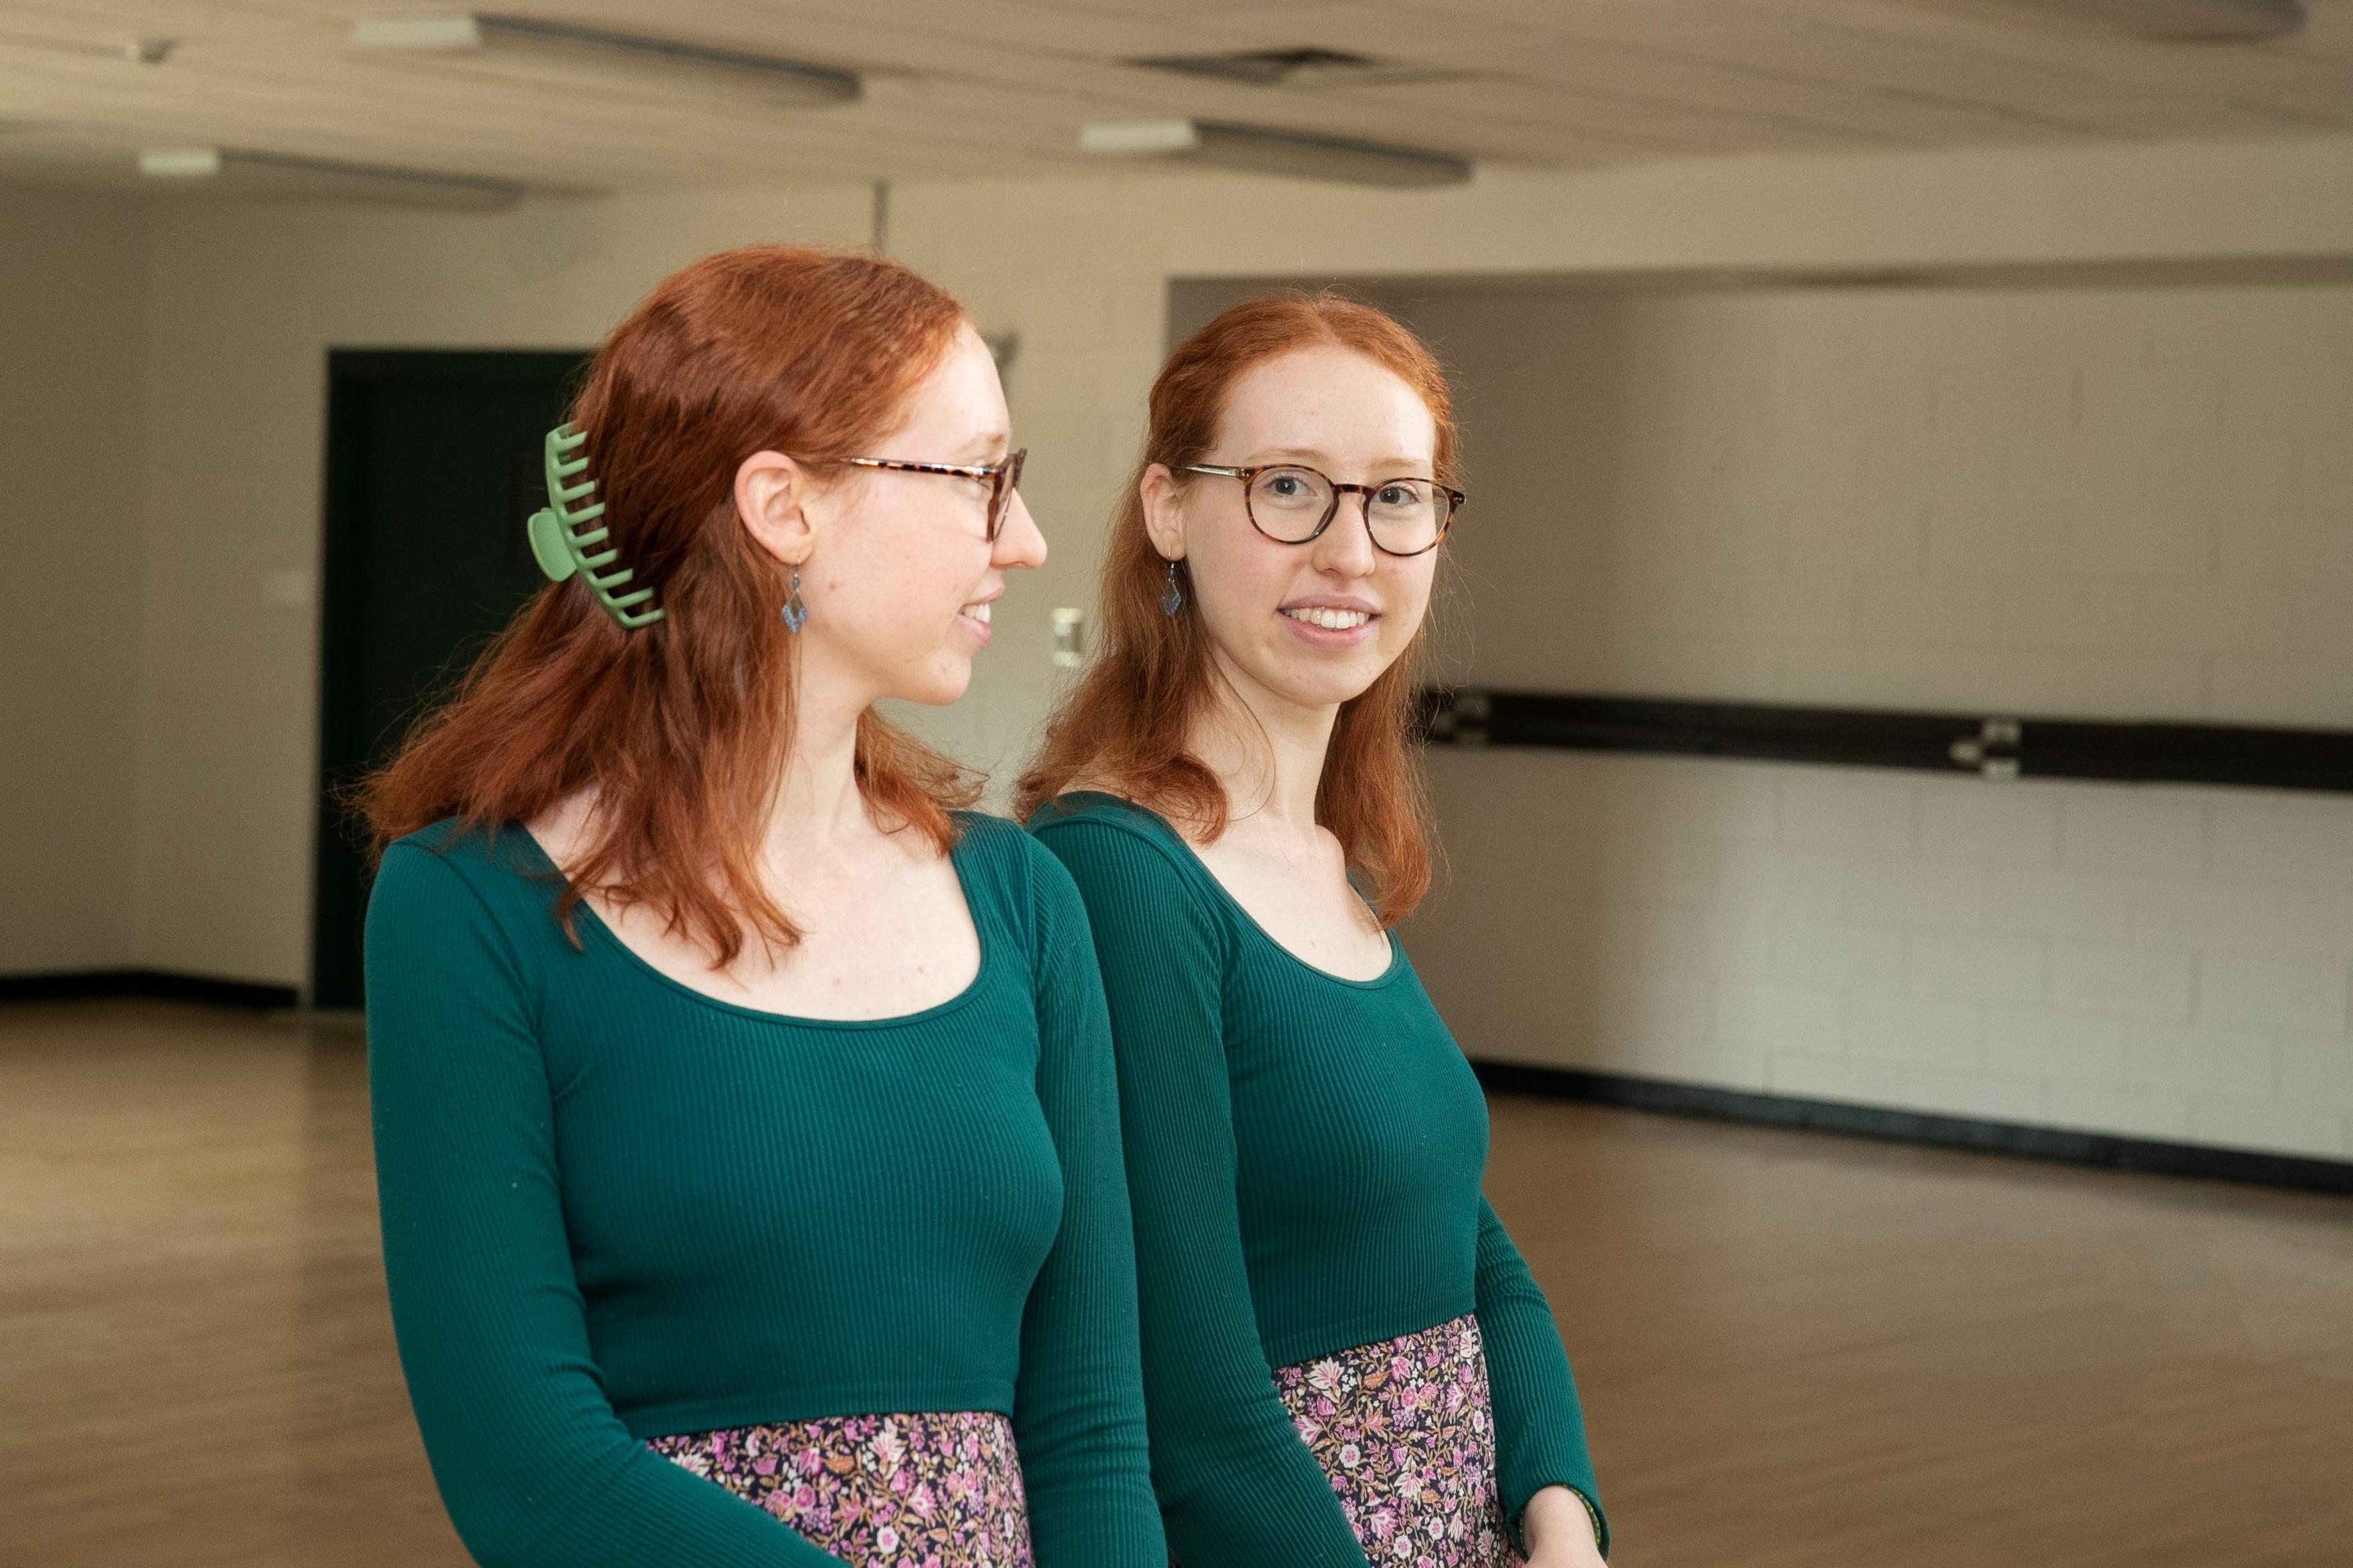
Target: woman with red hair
{"points": [[746, 1128], [1344, 1358]]}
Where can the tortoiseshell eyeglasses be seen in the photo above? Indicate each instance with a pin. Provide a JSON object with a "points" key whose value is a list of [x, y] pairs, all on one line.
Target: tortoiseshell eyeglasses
{"points": [[1293, 503], [1003, 478]]}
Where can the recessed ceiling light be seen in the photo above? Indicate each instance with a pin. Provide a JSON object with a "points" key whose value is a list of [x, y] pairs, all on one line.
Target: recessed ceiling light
{"points": [[1262, 149], [603, 61], [285, 176]]}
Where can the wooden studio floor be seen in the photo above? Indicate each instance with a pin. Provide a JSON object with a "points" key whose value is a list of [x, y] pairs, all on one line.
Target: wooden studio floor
{"points": [[1795, 1350]]}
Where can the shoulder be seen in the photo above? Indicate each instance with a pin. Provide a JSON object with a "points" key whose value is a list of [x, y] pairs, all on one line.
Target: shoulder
{"points": [[996, 850], [1032, 891], [443, 914], [468, 852], [446, 855], [1088, 823], [1122, 855], [987, 836], [1012, 870], [455, 873]]}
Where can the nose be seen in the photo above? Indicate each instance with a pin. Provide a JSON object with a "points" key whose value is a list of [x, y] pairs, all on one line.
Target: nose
{"points": [[1018, 542], [1345, 547]]}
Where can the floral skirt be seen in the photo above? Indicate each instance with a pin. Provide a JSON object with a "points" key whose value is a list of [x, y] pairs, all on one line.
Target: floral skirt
{"points": [[933, 1491], [1406, 1430]]}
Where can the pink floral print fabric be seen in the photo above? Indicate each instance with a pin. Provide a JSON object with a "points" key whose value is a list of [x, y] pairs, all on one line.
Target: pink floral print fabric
{"points": [[1406, 1430], [931, 1490]]}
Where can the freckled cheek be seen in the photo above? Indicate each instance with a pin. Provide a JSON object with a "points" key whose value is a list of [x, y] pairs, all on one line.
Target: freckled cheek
{"points": [[1411, 605]]}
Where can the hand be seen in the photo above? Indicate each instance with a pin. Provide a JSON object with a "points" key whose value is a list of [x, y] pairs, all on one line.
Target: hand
{"points": [[1559, 1531]]}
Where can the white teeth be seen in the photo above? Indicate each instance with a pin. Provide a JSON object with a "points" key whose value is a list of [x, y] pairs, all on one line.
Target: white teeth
{"points": [[1332, 620], [978, 613]]}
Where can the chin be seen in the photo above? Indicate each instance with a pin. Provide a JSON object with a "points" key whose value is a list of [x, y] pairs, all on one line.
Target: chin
{"points": [[1326, 688], [939, 687]]}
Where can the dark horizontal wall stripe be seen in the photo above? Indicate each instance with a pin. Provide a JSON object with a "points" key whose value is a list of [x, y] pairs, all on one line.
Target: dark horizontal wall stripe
{"points": [[153, 984], [1995, 745], [2012, 1139]]}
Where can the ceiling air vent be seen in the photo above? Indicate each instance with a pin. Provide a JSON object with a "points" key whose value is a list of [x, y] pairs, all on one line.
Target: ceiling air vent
{"points": [[2188, 21], [1301, 68]]}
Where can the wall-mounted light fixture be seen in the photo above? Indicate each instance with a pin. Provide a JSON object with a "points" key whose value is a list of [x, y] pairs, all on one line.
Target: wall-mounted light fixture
{"points": [[1070, 638], [598, 59], [282, 176], [1262, 150]]}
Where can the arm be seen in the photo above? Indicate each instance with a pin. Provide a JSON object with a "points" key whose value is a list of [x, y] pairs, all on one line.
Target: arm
{"points": [[536, 1467], [1238, 1487], [1539, 1428], [1078, 1408]]}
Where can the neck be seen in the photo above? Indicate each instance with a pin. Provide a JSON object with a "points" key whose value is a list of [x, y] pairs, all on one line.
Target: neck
{"points": [[818, 800], [1267, 749]]}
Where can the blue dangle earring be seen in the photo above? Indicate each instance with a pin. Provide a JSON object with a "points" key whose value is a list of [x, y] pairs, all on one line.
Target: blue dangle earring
{"points": [[1172, 598], [796, 612]]}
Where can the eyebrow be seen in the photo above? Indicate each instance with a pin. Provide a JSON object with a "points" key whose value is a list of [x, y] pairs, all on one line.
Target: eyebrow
{"points": [[982, 445], [1308, 455]]}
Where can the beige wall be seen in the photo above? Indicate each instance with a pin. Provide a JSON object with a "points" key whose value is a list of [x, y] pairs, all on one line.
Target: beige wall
{"points": [[73, 313], [2098, 502], [248, 300]]}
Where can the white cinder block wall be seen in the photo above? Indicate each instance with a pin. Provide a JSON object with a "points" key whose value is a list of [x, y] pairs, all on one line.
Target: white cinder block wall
{"points": [[2152, 962], [2073, 502]]}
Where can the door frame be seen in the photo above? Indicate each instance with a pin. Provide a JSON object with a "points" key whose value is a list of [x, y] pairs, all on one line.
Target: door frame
{"points": [[351, 374]]}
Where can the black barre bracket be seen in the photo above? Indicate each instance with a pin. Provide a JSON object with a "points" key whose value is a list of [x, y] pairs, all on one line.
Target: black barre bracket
{"points": [[1991, 747]]}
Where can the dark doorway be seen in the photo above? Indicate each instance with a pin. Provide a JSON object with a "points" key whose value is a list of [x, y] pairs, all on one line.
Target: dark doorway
{"points": [[433, 463]]}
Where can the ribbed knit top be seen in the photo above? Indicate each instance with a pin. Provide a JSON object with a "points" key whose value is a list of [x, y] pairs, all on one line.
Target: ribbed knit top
{"points": [[1304, 1155], [616, 1207]]}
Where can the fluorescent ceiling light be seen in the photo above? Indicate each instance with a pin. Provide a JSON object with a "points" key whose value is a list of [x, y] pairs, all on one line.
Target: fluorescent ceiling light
{"points": [[2187, 21], [138, 49], [279, 175], [1259, 150], [560, 54], [1139, 137], [180, 163]]}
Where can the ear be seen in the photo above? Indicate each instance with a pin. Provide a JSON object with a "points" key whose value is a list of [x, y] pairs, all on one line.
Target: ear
{"points": [[1164, 512], [772, 501]]}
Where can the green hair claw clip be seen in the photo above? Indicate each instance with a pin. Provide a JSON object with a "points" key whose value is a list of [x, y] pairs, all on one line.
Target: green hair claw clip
{"points": [[563, 543]]}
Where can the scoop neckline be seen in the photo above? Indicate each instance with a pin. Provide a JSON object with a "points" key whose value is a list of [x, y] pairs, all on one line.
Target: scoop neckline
{"points": [[1201, 867], [595, 923]]}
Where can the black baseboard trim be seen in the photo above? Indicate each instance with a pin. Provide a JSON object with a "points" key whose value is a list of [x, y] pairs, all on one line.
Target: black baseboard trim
{"points": [[2013, 1140], [147, 984]]}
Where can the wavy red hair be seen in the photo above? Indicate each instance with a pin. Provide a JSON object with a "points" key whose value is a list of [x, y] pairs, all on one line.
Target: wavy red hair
{"points": [[1128, 720], [685, 726]]}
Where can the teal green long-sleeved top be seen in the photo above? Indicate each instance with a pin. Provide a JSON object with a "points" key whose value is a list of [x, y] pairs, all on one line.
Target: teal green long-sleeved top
{"points": [[1304, 1155], [616, 1207]]}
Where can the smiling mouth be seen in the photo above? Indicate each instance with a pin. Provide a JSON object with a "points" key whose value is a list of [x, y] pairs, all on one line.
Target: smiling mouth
{"points": [[1331, 620], [978, 612]]}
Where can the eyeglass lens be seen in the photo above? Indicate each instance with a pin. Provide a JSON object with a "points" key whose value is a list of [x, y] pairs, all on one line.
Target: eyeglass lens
{"points": [[1000, 499], [1291, 505]]}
